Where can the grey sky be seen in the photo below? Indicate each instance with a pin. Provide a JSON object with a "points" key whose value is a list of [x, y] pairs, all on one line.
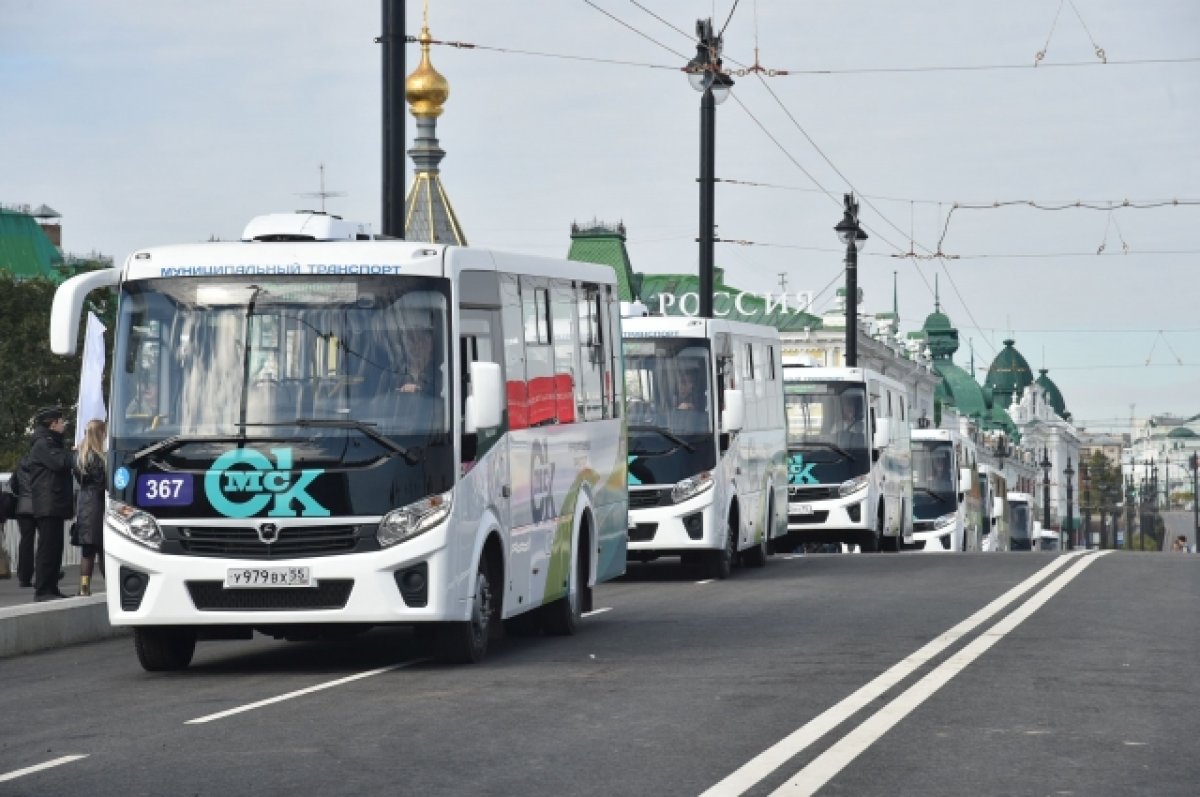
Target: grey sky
{"points": [[160, 122]]}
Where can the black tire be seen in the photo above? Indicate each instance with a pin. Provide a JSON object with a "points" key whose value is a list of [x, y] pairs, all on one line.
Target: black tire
{"points": [[720, 563], [561, 618], [467, 642], [873, 540], [164, 648], [757, 556]]}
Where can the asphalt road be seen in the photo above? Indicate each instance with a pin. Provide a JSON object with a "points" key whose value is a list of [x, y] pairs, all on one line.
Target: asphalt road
{"points": [[903, 674]]}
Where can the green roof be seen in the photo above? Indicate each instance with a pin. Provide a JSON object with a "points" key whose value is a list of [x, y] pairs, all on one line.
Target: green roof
{"points": [[1053, 394], [604, 244], [1010, 373], [1182, 431], [25, 251], [958, 388]]}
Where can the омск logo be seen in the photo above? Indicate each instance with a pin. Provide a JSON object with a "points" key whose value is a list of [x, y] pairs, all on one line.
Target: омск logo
{"points": [[247, 491]]}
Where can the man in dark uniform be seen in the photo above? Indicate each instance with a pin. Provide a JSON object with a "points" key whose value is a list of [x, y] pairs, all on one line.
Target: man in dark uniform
{"points": [[53, 493]]}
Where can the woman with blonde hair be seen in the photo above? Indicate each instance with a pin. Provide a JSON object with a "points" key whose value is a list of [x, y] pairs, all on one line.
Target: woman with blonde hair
{"points": [[90, 471]]}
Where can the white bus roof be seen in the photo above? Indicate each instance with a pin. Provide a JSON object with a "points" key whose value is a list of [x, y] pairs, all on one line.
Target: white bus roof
{"points": [[677, 326], [940, 435], [305, 226]]}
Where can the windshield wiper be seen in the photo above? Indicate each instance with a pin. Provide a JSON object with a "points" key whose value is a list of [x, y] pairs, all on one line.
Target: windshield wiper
{"points": [[367, 429], [932, 494], [831, 446], [175, 441], [678, 441]]}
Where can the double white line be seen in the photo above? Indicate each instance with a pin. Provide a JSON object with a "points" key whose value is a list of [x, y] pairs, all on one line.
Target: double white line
{"points": [[823, 768]]}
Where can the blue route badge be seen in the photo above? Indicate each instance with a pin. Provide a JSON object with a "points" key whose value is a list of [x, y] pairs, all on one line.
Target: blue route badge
{"points": [[800, 472], [121, 478], [162, 490]]}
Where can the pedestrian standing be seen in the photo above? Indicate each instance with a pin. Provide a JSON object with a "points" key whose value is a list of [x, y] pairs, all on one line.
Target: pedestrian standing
{"points": [[53, 499], [25, 523], [89, 507]]}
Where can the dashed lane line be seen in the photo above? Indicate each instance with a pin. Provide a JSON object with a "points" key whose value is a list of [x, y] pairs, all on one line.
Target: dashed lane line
{"points": [[16, 773]]}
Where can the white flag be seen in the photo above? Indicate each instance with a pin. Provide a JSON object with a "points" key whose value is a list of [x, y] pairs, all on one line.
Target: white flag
{"points": [[91, 378]]}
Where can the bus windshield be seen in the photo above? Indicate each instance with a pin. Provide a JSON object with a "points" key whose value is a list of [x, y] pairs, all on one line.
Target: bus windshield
{"points": [[934, 491], [1020, 522], [249, 357], [669, 404], [827, 430]]}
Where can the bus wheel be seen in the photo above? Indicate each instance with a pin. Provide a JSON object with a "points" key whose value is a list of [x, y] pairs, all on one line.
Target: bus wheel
{"points": [[720, 563], [757, 556], [873, 539], [562, 617], [466, 643], [164, 648]]}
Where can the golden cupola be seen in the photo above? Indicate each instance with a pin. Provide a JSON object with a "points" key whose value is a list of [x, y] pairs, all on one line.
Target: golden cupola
{"points": [[426, 89]]}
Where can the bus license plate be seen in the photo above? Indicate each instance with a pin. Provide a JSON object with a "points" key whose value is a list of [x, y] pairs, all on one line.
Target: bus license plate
{"points": [[801, 509], [254, 577]]}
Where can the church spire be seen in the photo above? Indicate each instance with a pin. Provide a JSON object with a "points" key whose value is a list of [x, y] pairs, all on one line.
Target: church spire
{"points": [[428, 215]]}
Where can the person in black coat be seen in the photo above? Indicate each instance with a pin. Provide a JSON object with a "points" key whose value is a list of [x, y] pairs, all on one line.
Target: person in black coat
{"points": [[25, 523], [89, 508], [53, 493]]}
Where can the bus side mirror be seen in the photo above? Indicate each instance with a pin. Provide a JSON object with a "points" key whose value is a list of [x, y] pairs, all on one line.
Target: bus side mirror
{"points": [[67, 309], [997, 508], [733, 417], [484, 405], [964, 480], [883, 433]]}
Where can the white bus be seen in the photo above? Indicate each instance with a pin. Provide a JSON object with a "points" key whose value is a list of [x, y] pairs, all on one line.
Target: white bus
{"points": [[947, 511], [707, 480], [849, 458], [312, 433], [995, 508], [1021, 534]]}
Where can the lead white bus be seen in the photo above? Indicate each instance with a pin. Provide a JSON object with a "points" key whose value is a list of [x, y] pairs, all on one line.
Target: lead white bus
{"points": [[707, 479], [849, 458], [312, 433]]}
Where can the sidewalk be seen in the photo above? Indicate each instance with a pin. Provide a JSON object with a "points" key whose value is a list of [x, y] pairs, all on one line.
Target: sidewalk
{"points": [[27, 626]]}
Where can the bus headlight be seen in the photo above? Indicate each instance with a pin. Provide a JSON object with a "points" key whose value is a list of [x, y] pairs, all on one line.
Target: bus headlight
{"points": [[851, 486], [409, 521], [690, 487], [134, 524], [945, 520]]}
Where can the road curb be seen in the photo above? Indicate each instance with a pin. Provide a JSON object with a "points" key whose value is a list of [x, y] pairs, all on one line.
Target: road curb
{"points": [[53, 624]]}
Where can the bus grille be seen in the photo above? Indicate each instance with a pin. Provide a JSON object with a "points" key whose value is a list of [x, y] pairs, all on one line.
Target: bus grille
{"points": [[211, 596], [798, 493], [242, 542], [814, 518]]}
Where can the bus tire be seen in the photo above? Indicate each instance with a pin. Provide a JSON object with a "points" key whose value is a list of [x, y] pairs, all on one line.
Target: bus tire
{"points": [[561, 618], [467, 642], [720, 563], [873, 538], [757, 556], [164, 648]]}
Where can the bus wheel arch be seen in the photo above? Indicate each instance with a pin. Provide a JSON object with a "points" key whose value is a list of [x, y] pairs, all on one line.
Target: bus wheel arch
{"points": [[756, 555], [466, 642], [561, 618]]}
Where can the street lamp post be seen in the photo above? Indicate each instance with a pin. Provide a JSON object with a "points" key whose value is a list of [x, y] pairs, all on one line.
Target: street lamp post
{"points": [[1129, 509], [853, 237], [705, 75], [1085, 507], [1045, 463], [1069, 472], [1194, 461]]}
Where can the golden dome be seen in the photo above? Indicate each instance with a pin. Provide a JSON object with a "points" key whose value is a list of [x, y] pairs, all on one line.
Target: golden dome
{"points": [[425, 89]]}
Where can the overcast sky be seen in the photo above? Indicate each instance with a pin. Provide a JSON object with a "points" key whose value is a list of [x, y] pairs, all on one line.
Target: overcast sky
{"points": [[164, 121]]}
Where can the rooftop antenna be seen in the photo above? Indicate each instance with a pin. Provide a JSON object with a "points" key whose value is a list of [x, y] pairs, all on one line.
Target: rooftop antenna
{"points": [[323, 194], [783, 282]]}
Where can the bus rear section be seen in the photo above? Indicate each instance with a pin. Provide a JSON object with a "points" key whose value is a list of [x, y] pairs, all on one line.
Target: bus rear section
{"points": [[311, 438], [706, 441], [849, 459]]}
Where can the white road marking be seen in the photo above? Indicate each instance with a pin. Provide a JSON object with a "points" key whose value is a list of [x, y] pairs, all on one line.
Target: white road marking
{"points": [[16, 773], [705, 581], [301, 692], [826, 766], [771, 759], [594, 612]]}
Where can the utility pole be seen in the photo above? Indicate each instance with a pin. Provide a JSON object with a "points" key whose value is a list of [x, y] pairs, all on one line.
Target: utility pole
{"points": [[392, 42]]}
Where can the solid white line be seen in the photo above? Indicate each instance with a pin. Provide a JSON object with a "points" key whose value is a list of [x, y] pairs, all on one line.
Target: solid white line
{"points": [[301, 692], [771, 759], [824, 767], [16, 773], [594, 612], [705, 581]]}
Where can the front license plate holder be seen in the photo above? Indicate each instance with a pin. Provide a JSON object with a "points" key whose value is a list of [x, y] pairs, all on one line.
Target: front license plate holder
{"points": [[268, 578]]}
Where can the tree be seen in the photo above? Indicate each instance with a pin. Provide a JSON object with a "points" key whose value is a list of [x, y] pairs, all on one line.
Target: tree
{"points": [[31, 376]]}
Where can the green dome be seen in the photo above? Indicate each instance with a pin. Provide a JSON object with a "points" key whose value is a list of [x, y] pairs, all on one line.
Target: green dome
{"points": [[1009, 374], [937, 321], [1182, 431], [1053, 394], [940, 336], [958, 388]]}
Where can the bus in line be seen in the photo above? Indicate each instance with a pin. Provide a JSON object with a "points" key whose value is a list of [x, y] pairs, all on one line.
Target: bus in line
{"points": [[313, 431], [707, 477]]}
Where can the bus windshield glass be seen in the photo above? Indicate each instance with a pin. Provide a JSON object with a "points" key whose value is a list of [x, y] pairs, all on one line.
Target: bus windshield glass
{"points": [[278, 357], [669, 407], [827, 430], [1020, 522], [934, 491]]}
